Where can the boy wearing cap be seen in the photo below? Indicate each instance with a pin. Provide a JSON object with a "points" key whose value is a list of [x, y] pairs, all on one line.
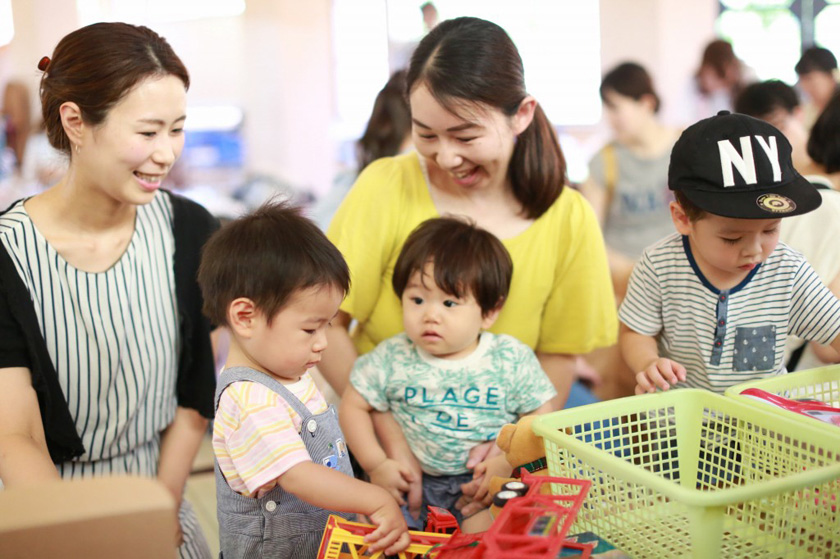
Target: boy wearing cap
{"points": [[713, 304]]}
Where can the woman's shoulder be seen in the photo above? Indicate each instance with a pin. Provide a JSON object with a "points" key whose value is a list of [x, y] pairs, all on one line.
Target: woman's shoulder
{"points": [[569, 210], [390, 177], [389, 194], [12, 217], [187, 209]]}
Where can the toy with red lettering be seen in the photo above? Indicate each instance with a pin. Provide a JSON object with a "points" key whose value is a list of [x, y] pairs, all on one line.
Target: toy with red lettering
{"points": [[812, 408]]}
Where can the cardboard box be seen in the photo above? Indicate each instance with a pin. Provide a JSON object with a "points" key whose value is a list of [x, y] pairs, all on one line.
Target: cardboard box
{"points": [[103, 518]]}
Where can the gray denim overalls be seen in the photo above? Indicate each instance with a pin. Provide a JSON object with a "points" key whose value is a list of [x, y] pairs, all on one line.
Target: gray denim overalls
{"points": [[278, 525]]}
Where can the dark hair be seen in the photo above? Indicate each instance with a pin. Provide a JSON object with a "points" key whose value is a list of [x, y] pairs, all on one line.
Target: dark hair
{"points": [[720, 57], [473, 60], [631, 80], [693, 212], [96, 66], [267, 256], [466, 258], [389, 124], [762, 98], [824, 141], [816, 59]]}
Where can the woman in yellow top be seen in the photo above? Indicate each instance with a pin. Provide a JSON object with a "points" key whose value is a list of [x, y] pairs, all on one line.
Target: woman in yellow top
{"points": [[485, 150]]}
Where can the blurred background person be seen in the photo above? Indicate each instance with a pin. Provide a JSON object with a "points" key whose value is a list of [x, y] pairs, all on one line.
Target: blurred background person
{"points": [[719, 78], [814, 234], [627, 184], [388, 132], [628, 188], [16, 113], [776, 102], [818, 77]]}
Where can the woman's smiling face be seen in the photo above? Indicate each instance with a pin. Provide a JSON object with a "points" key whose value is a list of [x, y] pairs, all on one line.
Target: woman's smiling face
{"points": [[132, 151], [470, 149]]}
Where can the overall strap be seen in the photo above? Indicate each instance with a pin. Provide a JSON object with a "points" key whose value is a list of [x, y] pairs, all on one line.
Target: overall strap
{"points": [[237, 374]]}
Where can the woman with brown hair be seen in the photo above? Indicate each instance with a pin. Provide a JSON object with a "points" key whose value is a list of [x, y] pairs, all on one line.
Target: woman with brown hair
{"points": [[628, 181], [720, 78], [485, 150], [106, 364]]}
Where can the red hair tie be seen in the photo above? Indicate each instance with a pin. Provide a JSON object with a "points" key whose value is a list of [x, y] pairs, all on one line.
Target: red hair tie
{"points": [[44, 63]]}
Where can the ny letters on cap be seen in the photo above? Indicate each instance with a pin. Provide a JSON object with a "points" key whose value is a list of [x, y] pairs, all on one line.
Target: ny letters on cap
{"points": [[737, 166]]}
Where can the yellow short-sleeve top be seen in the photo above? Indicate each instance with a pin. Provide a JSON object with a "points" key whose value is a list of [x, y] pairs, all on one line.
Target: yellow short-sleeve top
{"points": [[560, 300]]}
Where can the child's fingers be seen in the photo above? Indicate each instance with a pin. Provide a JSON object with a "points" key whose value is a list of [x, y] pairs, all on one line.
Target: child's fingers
{"points": [[401, 484], [679, 370], [399, 545], [481, 492], [479, 453], [656, 376], [388, 533], [382, 537], [643, 384], [415, 499], [470, 487], [406, 474], [669, 370], [398, 496], [471, 508]]}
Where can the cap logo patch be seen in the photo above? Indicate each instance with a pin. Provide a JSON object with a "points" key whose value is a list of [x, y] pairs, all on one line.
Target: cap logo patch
{"points": [[775, 203], [744, 162]]}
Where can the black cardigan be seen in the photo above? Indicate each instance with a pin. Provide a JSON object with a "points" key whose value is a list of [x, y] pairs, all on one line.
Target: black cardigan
{"points": [[22, 344]]}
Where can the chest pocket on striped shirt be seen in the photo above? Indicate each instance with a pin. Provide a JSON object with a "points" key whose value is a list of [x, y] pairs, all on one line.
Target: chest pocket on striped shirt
{"points": [[755, 348]]}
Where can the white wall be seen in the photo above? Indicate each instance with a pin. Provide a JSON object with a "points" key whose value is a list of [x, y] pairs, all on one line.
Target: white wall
{"points": [[665, 36], [39, 24], [276, 62]]}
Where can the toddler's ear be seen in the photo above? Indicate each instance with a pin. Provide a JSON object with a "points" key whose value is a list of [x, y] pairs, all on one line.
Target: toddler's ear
{"points": [[680, 219], [241, 315], [490, 317]]}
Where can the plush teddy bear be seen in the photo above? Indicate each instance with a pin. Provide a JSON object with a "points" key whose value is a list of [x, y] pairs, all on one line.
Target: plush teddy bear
{"points": [[523, 449]]}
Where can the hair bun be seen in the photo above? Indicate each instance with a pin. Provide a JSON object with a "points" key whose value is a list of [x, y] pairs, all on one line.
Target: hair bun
{"points": [[44, 63]]}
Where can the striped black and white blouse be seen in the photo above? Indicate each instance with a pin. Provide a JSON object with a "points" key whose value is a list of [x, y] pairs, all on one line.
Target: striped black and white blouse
{"points": [[725, 337], [113, 337]]}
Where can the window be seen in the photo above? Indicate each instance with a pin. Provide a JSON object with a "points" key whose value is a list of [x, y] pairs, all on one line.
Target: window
{"points": [[826, 26], [155, 11], [373, 37], [769, 35], [560, 45], [7, 24]]}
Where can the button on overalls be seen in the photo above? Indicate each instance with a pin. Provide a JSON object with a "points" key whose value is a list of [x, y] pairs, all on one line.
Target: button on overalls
{"points": [[278, 525]]}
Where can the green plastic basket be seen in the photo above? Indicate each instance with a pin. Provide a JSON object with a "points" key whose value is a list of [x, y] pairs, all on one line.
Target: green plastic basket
{"points": [[821, 384], [689, 473]]}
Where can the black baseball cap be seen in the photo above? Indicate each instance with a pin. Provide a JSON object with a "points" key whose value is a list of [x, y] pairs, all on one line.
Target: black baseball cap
{"points": [[734, 165]]}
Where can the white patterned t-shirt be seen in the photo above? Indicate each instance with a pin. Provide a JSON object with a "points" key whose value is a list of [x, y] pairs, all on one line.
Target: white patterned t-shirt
{"points": [[445, 407]]}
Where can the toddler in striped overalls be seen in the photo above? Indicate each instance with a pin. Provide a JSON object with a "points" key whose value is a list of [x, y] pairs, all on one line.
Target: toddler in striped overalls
{"points": [[275, 281]]}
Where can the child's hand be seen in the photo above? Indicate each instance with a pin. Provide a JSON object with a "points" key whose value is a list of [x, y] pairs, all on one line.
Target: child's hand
{"points": [[476, 493], [481, 452], [391, 532], [662, 373], [394, 477]]}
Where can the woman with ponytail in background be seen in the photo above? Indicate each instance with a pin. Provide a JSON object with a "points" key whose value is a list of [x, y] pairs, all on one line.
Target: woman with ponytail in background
{"points": [[484, 150]]}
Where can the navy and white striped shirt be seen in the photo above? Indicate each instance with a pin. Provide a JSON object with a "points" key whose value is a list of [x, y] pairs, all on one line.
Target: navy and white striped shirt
{"points": [[726, 337], [113, 337]]}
